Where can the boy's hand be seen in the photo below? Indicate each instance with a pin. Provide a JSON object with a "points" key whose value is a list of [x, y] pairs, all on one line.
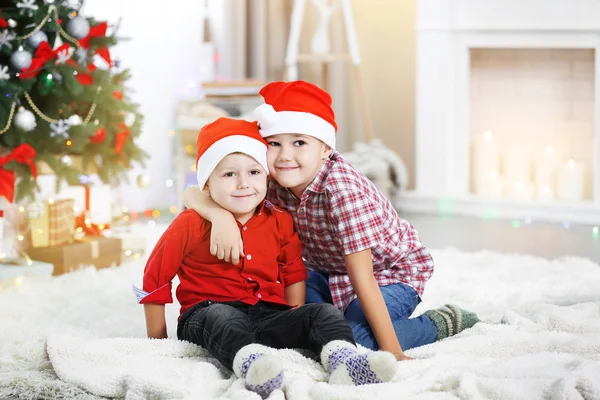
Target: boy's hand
{"points": [[402, 357], [225, 240]]}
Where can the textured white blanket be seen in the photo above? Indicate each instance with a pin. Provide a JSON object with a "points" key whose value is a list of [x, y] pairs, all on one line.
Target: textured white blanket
{"points": [[543, 352], [82, 333]]}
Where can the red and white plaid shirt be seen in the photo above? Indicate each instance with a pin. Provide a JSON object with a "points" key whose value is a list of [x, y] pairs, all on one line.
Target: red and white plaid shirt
{"points": [[341, 213]]}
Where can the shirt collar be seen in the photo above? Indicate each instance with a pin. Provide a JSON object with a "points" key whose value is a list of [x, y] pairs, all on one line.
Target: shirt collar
{"points": [[266, 205], [318, 184]]}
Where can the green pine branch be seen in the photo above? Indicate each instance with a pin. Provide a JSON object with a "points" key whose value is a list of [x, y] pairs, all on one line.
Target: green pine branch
{"points": [[59, 95]]}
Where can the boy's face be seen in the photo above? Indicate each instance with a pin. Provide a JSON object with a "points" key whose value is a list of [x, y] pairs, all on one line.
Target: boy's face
{"points": [[295, 160], [238, 184]]}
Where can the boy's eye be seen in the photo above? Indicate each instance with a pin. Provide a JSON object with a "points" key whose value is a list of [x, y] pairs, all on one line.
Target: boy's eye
{"points": [[273, 143], [229, 174], [299, 143], [255, 172]]}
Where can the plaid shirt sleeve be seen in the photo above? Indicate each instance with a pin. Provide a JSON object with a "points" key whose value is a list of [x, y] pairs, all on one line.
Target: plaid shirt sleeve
{"points": [[291, 265], [357, 220], [416, 257]]}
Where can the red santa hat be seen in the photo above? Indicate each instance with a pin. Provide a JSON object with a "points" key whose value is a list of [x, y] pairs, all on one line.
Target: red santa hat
{"points": [[297, 107], [223, 137]]}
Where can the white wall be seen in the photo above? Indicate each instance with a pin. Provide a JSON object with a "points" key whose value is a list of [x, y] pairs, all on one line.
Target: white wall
{"points": [[163, 55]]}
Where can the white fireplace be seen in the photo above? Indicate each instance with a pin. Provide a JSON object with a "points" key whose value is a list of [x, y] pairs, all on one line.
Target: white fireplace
{"points": [[507, 109]]}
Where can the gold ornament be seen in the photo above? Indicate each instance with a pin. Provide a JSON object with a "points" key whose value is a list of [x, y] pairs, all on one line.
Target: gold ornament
{"points": [[144, 181]]}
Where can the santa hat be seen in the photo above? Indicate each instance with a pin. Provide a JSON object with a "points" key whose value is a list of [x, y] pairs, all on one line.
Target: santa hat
{"points": [[225, 136], [297, 107]]}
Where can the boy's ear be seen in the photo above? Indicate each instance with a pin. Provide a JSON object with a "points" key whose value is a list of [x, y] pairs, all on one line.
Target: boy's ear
{"points": [[326, 152]]}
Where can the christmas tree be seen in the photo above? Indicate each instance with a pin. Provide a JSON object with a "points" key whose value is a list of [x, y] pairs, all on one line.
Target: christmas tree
{"points": [[63, 104]]}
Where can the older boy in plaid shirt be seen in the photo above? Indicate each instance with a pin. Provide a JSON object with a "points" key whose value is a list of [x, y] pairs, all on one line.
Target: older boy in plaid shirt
{"points": [[363, 257]]}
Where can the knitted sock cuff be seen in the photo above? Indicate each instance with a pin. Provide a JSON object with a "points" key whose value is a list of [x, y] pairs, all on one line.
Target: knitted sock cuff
{"points": [[335, 352], [440, 323], [245, 357], [451, 320]]}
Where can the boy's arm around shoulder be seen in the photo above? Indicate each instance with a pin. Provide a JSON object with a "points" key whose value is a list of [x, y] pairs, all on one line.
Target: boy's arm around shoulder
{"points": [[290, 261], [225, 238]]}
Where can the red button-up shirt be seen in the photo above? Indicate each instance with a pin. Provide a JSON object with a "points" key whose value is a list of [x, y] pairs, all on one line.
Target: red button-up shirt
{"points": [[273, 261], [342, 212]]}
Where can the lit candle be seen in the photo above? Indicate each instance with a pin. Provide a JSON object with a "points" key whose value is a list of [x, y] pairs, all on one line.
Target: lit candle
{"points": [[486, 158], [519, 190], [544, 192], [570, 180], [491, 186], [545, 165], [517, 163], [546, 160]]}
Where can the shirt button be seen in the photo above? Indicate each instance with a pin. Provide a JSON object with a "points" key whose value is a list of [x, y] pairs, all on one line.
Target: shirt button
{"points": [[249, 257], [301, 210], [259, 296], [245, 228]]}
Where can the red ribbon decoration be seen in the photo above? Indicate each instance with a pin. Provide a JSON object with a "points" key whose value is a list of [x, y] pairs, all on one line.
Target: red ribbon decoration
{"points": [[44, 53], [23, 154], [3, 23], [105, 54], [121, 137], [88, 228], [95, 31]]}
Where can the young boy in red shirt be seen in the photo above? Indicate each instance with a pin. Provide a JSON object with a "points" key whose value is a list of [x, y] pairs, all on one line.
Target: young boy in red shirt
{"points": [[363, 257], [234, 311]]}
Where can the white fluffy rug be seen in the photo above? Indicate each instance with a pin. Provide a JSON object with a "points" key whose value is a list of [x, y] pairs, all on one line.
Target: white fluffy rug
{"points": [[87, 329]]}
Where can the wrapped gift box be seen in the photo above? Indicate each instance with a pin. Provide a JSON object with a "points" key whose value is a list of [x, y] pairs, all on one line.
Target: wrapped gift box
{"points": [[53, 224], [96, 199], [99, 251]]}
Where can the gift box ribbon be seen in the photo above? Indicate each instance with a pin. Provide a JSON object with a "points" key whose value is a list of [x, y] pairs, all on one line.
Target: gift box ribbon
{"points": [[83, 223]]}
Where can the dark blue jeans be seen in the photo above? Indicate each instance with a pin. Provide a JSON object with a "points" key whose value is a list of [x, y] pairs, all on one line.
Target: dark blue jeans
{"points": [[401, 301], [224, 328]]}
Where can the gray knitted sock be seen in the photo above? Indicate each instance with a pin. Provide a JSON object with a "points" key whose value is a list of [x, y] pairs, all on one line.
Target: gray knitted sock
{"points": [[451, 320]]}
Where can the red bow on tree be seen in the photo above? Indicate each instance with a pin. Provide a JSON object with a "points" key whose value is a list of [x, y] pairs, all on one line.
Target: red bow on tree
{"points": [[23, 154], [3, 23], [44, 53], [97, 31], [121, 137]]}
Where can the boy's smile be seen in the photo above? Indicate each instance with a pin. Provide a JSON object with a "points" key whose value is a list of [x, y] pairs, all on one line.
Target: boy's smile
{"points": [[295, 160], [238, 184]]}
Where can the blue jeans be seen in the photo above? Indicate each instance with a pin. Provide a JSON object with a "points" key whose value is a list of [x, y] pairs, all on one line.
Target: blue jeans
{"points": [[401, 301]]}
